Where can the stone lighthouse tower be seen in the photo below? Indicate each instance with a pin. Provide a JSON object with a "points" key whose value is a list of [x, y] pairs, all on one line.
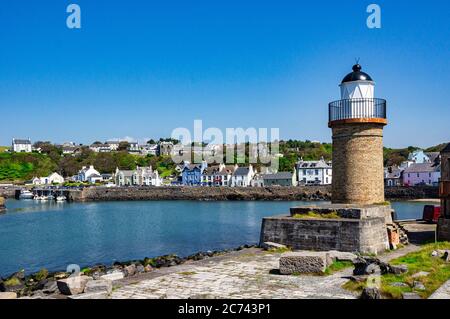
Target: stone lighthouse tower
{"points": [[357, 122]]}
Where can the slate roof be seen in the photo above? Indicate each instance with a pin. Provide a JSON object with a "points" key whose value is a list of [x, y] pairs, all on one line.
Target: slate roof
{"points": [[241, 171], [279, 175], [422, 167], [21, 141]]}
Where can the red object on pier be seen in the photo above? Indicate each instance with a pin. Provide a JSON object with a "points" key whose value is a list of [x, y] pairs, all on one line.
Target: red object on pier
{"points": [[431, 213]]}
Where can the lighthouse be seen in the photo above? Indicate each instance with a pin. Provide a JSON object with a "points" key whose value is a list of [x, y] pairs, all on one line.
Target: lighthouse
{"points": [[364, 221], [357, 121]]}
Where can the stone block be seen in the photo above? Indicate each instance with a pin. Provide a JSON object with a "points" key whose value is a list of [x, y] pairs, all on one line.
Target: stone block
{"points": [[342, 256], [8, 295], [100, 285], [116, 275], [304, 262], [410, 295], [73, 285]]}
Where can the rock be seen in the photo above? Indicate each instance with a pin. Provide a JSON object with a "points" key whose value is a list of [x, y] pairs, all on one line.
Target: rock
{"points": [[420, 274], [410, 295], [304, 262], [148, 268], [370, 293], [417, 285], [129, 270], [91, 295], [116, 275], [8, 295], [372, 269], [61, 275], [100, 285], [73, 285], [398, 269], [342, 256], [399, 284], [272, 246], [19, 275], [50, 287], [369, 266], [140, 269]]}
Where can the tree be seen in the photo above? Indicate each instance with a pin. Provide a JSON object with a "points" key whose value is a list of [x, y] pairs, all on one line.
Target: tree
{"points": [[151, 141], [123, 146]]}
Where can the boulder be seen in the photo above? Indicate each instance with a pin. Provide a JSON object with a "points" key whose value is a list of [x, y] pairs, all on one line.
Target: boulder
{"points": [[304, 262], [272, 246], [8, 295], [342, 256], [73, 285], [2, 205], [417, 285], [50, 287], [129, 270], [115, 275], [100, 285], [398, 269], [370, 293], [140, 269], [148, 268]]}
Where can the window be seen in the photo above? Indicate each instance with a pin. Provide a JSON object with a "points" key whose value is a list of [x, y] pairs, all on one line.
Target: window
{"points": [[317, 172]]}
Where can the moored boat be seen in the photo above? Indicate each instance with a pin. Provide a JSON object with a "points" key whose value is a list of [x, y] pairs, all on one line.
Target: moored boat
{"points": [[26, 194]]}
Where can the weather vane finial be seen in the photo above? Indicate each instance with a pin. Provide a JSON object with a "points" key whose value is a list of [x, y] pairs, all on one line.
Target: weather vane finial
{"points": [[357, 60]]}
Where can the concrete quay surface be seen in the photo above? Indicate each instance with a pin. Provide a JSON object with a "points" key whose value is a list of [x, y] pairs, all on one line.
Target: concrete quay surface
{"points": [[250, 273]]}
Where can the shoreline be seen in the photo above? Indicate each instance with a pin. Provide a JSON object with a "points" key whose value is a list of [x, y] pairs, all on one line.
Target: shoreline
{"points": [[204, 193], [44, 281]]}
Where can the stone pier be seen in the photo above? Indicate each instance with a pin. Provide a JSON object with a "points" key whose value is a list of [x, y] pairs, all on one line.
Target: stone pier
{"points": [[352, 229]]}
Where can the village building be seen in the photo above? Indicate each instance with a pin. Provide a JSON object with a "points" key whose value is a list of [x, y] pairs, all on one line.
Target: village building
{"points": [[393, 176], [422, 174], [89, 174], [242, 176], [191, 174], [21, 145], [141, 176], [100, 148], [314, 172], [218, 175], [280, 179], [53, 178]]}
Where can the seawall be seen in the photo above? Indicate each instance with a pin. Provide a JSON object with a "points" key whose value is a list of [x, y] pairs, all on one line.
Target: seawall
{"points": [[232, 193], [200, 193]]}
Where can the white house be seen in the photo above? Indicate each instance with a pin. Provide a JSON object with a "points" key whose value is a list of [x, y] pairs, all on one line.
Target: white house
{"points": [[141, 176], [89, 174], [100, 148], [242, 176], [21, 145], [53, 178], [314, 172]]}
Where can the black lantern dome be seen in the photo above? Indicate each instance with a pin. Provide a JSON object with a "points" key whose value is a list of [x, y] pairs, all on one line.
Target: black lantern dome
{"points": [[357, 75]]}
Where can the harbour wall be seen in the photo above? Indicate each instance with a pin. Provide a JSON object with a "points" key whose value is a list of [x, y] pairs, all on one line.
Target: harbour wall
{"points": [[307, 193]]}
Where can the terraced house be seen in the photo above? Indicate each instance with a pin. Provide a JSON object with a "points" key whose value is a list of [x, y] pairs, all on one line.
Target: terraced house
{"points": [[141, 176], [314, 172]]}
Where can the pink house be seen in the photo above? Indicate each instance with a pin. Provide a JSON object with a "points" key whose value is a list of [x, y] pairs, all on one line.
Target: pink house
{"points": [[422, 174]]}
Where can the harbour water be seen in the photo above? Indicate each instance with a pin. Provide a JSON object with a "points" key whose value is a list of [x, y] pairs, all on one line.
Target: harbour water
{"points": [[53, 235]]}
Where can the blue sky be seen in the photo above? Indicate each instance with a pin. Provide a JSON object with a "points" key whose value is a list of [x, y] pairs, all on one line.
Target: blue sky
{"points": [[143, 68]]}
